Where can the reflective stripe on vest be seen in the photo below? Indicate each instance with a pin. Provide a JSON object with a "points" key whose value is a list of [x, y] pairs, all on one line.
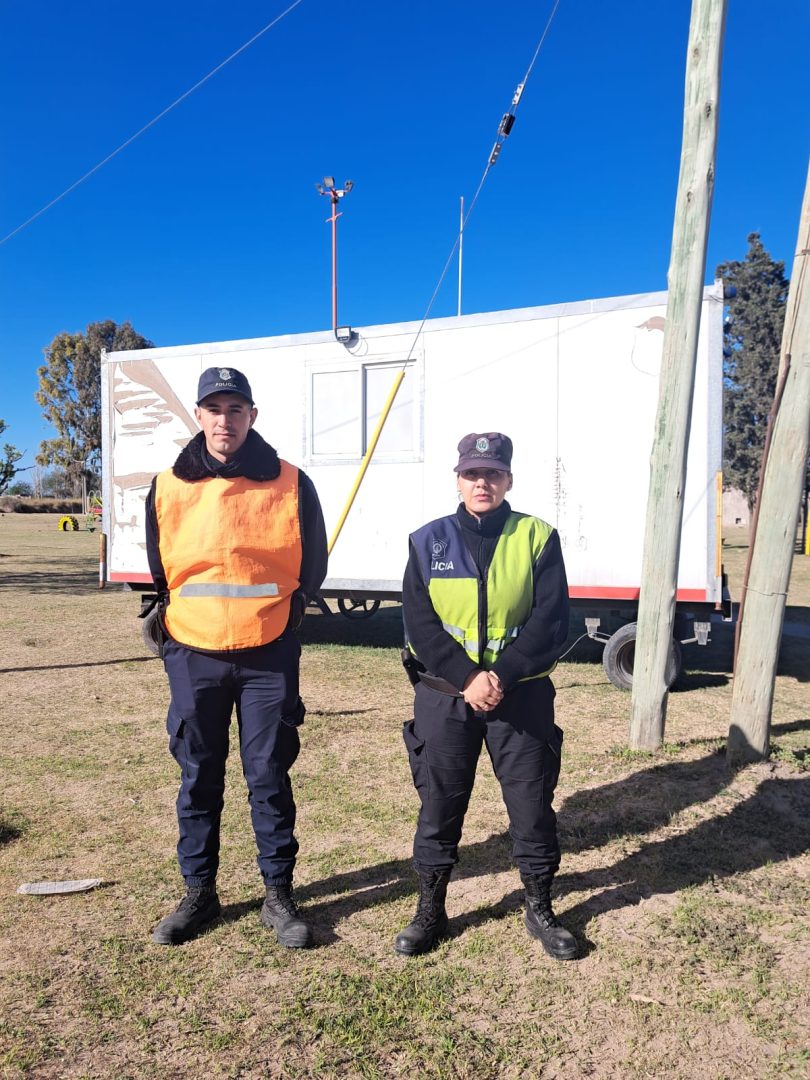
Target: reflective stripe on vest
{"points": [[471, 644], [452, 581], [231, 551], [207, 588]]}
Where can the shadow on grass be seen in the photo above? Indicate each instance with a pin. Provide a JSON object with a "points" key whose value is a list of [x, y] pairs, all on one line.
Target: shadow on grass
{"points": [[769, 827], [55, 581], [92, 663], [791, 726], [797, 613], [331, 713], [794, 658], [382, 631], [10, 829], [372, 885], [639, 803], [698, 680], [235, 912]]}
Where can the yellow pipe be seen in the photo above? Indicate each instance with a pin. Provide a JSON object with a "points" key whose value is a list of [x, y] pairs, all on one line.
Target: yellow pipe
{"points": [[718, 515], [364, 464]]}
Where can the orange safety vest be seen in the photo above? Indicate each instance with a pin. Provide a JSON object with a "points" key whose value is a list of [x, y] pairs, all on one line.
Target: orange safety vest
{"points": [[231, 551]]}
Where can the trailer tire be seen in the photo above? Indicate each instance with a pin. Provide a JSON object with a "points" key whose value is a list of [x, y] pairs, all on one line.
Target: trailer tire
{"points": [[358, 609], [150, 632], [619, 655]]}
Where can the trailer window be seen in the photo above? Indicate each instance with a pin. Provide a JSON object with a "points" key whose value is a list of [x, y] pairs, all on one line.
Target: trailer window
{"points": [[346, 405], [335, 413], [398, 435]]}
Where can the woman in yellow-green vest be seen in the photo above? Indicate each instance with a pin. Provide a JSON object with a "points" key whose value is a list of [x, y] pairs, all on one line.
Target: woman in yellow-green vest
{"points": [[485, 601]]}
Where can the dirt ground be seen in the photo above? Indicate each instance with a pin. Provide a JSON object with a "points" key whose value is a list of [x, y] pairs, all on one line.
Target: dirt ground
{"points": [[686, 886]]}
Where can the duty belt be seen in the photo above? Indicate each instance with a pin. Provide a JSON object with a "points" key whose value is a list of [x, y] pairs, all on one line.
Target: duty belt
{"points": [[435, 683]]}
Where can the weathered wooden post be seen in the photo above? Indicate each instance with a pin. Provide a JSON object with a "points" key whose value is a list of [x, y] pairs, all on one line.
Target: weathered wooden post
{"points": [[775, 537], [662, 536]]}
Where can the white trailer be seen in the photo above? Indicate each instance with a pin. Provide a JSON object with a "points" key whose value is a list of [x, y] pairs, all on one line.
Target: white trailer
{"points": [[574, 385]]}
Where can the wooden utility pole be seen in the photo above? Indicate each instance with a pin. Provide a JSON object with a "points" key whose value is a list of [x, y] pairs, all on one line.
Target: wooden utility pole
{"points": [[687, 267], [775, 537]]}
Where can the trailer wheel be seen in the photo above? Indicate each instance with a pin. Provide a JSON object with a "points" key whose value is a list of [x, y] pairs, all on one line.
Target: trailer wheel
{"points": [[619, 656], [358, 609], [150, 632]]}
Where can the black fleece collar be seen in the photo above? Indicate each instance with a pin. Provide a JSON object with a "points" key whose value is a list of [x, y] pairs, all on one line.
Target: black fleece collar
{"points": [[489, 524], [257, 460]]}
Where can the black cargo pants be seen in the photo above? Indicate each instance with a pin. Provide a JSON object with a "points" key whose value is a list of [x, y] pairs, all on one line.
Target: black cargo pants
{"points": [[262, 684], [444, 742]]}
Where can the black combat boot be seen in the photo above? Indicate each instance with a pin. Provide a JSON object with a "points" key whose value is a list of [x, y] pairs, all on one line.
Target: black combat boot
{"points": [[541, 921], [430, 921], [280, 913], [198, 907]]}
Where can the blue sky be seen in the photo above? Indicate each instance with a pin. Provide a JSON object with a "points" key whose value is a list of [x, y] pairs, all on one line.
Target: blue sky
{"points": [[208, 226]]}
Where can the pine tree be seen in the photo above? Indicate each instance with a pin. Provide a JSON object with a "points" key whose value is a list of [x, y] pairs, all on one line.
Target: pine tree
{"points": [[753, 335]]}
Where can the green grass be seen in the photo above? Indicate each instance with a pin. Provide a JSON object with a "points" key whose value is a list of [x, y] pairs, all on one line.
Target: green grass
{"points": [[686, 886]]}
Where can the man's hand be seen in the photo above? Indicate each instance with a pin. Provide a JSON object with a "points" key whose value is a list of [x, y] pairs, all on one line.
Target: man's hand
{"points": [[483, 691]]}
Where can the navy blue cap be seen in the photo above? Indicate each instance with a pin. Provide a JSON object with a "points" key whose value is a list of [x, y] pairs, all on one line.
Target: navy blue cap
{"points": [[223, 380], [491, 450]]}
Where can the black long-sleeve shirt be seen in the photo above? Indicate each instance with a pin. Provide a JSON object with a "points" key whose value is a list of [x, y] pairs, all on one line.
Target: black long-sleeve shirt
{"points": [[540, 641]]}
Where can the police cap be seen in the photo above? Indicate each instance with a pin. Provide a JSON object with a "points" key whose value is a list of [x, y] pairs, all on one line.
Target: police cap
{"points": [[490, 450], [223, 380]]}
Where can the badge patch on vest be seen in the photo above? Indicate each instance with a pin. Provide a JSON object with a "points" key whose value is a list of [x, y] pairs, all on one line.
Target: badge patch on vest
{"points": [[438, 555]]}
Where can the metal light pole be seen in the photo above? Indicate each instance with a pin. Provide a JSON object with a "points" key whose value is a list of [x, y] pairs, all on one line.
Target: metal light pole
{"points": [[460, 249], [327, 187]]}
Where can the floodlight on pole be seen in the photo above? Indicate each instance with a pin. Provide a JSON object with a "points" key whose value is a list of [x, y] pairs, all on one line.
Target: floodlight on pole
{"points": [[327, 187]]}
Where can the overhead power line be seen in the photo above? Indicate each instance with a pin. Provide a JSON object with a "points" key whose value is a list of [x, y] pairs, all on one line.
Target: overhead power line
{"points": [[505, 126], [152, 122]]}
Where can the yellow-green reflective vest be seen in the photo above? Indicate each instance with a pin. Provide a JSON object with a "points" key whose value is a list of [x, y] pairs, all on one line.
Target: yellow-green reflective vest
{"points": [[456, 588]]}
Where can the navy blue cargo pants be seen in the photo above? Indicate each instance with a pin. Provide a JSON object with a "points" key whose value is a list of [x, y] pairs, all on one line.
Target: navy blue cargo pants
{"points": [[263, 685], [444, 742]]}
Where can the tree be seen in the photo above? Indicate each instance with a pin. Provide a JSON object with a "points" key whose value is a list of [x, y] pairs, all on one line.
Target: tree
{"points": [[753, 334], [70, 392], [21, 488], [57, 484], [8, 462]]}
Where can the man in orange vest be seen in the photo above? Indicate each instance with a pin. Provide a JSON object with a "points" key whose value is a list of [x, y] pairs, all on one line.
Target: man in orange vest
{"points": [[236, 545]]}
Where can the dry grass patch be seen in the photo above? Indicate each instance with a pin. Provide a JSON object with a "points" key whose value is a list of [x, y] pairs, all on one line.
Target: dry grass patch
{"points": [[687, 886]]}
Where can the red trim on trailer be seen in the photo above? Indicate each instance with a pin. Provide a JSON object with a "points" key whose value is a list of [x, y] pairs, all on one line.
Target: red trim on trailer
{"points": [[629, 592], [576, 592]]}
